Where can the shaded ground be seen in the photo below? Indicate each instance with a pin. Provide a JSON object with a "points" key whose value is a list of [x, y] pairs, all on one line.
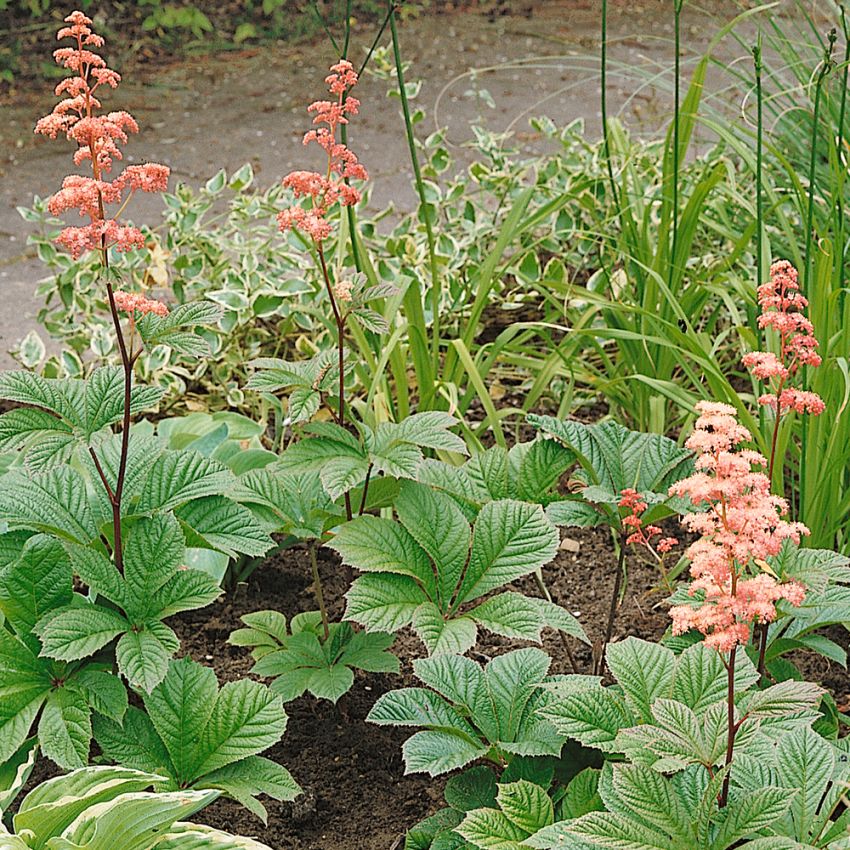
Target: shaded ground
{"points": [[199, 115]]}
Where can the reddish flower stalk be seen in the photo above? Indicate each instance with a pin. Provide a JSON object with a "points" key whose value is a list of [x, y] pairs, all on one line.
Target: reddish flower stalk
{"points": [[644, 535], [742, 526], [98, 137], [325, 190], [782, 307]]}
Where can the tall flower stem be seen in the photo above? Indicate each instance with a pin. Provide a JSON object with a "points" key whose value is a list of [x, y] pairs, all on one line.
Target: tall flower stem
{"points": [[677, 14], [757, 67], [426, 393], [339, 318], [730, 717], [615, 598]]}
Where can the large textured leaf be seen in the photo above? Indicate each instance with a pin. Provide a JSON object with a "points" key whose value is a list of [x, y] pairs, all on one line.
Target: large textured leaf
{"points": [[102, 690], [440, 528], [383, 603], [437, 751], [54, 501], [473, 789], [512, 680], [104, 398], [593, 717], [747, 813], [526, 805], [701, 680], [644, 670], [490, 829], [514, 615], [143, 654], [184, 591], [645, 793], [247, 719], [64, 729], [36, 582], [430, 430], [442, 635], [806, 762], [376, 545], [616, 458], [26, 424], [417, 707], [176, 477], [79, 631], [98, 573], [510, 540], [134, 744], [153, 552], [59, 397], [226, 525], [180, 708], [247, 779], [604, 829]]}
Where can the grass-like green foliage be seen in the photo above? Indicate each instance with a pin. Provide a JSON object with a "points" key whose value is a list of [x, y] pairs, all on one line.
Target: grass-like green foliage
{"points": [[102, 808], [302, 659], [201, 736], [468, 712], [665, 728], [427, 568]]}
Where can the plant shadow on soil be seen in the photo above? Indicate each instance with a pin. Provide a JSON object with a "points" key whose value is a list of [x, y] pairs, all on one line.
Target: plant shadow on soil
{"points": [[356, 796]]}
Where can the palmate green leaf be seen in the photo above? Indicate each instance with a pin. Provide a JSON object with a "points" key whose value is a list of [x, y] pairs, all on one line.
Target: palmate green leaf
{"points": [[54, 501], [644, 670], [49, 451], [429, 429], [746, 814], [104, 399], [78, 631], [581, 795], [512, 681], [526, 805], [644, 793], [341, 474], [616, 458], [490, 829], [102, 690], [514, 615], [135, 744], [247, 779], [593, 717], [383, 603], [441, 635], [510, 540], [177, 477], [436, 751], [55, 803], [783, 699], [436, 832], [186, 590], [602, 829], [53, 395], [97, 572], [377, 545], [701, 680], [418, 707], [304, 402], [39, 580], [153, 551], [226, 525], [246, 719], [180, 708], [473, 789], [64, 728], [574, 513], [135, 817], [27, 425], [806, 762], [143, 654], [438, 525]]}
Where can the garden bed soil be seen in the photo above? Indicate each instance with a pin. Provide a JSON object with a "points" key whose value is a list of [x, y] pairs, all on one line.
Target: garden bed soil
{"points": [[356, 796]]}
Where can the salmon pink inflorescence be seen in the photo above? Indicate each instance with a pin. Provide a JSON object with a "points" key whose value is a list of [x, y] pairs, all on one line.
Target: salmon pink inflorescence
{"points": [[742, 526], [97, 136], [782, 306], [324, 190]]}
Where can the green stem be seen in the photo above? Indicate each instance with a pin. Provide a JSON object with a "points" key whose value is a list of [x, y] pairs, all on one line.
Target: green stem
{"points": [[317, 589], [426, 393], [677, 11]]}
